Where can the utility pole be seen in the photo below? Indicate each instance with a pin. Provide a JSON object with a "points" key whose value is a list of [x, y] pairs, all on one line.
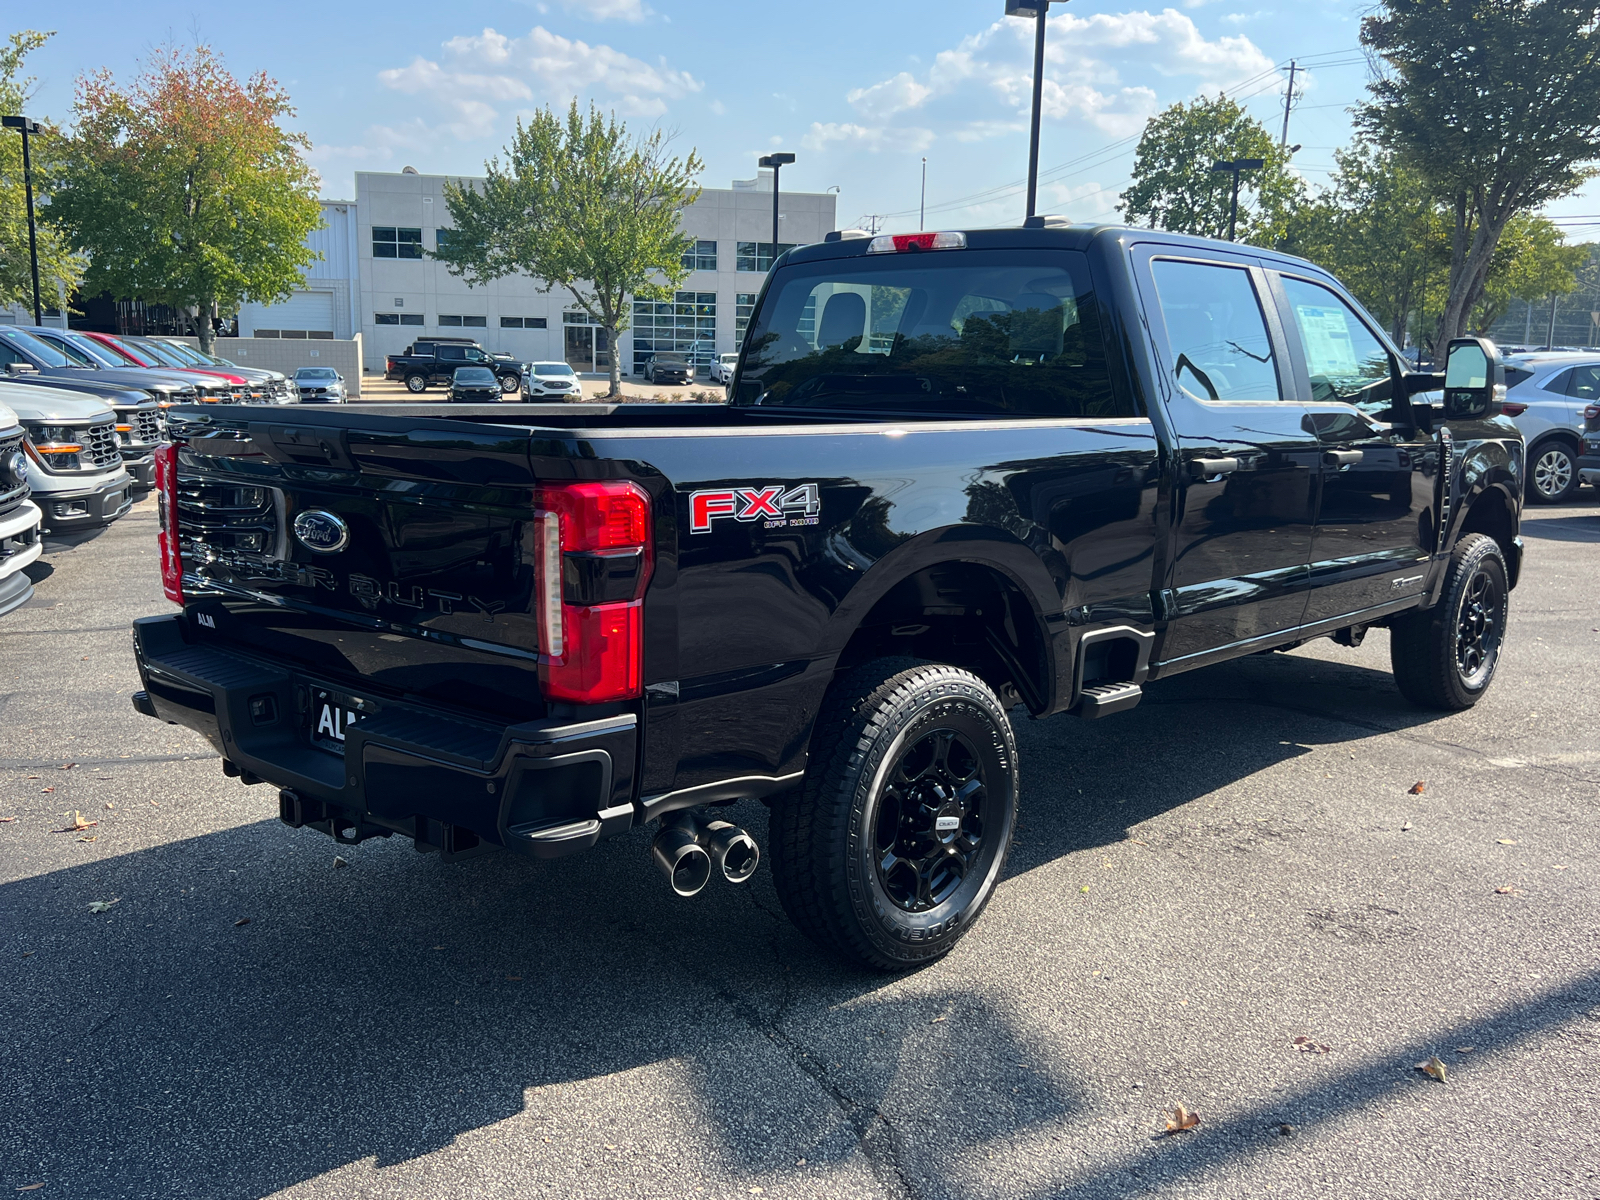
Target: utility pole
{"points": [[922, 206], [873, 221], [1233, 167], [1288, 103], [27, 126]]}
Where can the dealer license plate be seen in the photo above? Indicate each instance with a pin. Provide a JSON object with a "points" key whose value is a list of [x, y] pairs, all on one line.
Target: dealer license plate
{"points": [[332, 715]]}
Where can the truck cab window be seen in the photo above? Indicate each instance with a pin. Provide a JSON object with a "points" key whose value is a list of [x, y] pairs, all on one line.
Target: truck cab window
{"points": [[960, 333], [1346, 361], [1216, 333]]}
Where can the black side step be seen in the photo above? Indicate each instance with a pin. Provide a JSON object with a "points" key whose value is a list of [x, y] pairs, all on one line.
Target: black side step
{"points": [[1103, 699]]}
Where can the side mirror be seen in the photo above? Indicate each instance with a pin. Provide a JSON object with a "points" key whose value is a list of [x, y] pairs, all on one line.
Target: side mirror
{"points": [[21, 368], [1474, 379]]}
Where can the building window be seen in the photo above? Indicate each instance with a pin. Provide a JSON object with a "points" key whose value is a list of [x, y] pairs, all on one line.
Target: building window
{"points": [[266, 333], [702, 256], [744, 307], [687, 325], [411, 318], [523, 323], [757, 256], [441, 238], [390, 242], [571, 317], [377, 319], [458, 322]]}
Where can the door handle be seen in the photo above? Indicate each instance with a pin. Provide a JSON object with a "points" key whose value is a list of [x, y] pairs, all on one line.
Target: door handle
{"points": [[1210, 468], [1341, 458]]}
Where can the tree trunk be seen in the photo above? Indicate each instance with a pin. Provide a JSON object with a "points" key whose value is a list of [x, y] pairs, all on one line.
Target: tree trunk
{"points": [[616, 363], [205, 326]]}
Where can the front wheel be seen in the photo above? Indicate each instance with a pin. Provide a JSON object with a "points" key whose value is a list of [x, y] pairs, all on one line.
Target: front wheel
{"points": [[416, 383], [1446, 657], [510, 383], [1554, 474], [898, 837]]}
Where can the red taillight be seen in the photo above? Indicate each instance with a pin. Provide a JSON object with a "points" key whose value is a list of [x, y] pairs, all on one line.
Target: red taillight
{"points": [[167, 511], [1591, 412], [592, 558], [898, 243], [1512, 409]]}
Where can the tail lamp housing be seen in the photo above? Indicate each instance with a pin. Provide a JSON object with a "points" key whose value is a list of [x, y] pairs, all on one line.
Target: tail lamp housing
{"points": [[167, 510], [1512, 408], [593, 555], [1591, 412]]}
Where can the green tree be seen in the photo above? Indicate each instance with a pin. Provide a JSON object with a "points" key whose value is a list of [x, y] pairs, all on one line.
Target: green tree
{"points": [[1174, 187], [185, 189], [1532, 262], [1380, 230], [579, 205], [1496, 104], [56, 259]]}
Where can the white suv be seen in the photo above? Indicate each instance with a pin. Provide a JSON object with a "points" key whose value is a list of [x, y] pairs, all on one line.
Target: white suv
{"points": [[19, 516], [1545, 396], [73, 454]]}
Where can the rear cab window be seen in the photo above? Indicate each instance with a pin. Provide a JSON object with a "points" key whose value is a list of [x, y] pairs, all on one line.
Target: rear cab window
{"points": [[969, 333]]}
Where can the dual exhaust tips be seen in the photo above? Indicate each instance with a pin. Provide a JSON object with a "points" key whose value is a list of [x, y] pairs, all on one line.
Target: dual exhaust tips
{"points": [[688, 847]]}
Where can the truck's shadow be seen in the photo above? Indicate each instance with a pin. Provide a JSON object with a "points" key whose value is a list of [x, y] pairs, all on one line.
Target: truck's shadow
{"points": [[383, 1010]]}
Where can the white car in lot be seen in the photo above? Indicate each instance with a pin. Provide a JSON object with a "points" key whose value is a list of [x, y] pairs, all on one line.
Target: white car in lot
{"points": [[1546, 395], [73, 456], [19, 516], [722, 368], [552, 381]]}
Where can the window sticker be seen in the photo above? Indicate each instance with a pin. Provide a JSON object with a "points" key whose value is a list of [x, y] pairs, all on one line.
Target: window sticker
{"points": [[1329, 349]]}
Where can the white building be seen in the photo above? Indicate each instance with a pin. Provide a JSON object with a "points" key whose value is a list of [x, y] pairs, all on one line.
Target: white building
{"points": [[328, 306], [376, 249]]}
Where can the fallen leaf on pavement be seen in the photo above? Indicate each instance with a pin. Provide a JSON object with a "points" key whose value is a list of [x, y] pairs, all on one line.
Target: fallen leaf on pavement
{"points": [[339, 862], [78, 823], [1465, 1049], [8, 820], [89, 837], [99, 906], [1434, 1069], [1084, 888], [1505, 841], [1306, 1046], [241, 921], [936, 1020], [1182, 1119], [110, 805], [1505, 891], [1417, 788], [30, 1187], [66, 766], [46, 791]]}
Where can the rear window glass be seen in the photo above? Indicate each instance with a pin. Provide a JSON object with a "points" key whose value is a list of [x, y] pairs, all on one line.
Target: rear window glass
{"points": [[1516, 375], [1005, 333], [474, 376]]}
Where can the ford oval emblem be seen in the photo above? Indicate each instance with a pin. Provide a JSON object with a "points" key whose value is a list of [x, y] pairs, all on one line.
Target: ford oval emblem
{"points": [[321, 531]]}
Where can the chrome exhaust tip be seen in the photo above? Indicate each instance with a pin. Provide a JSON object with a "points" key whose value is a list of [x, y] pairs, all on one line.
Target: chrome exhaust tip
{"points": [[677, 851], [732, 849]]}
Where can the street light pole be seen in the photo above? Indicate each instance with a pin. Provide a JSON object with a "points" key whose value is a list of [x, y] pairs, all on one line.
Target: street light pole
{"points": [[1233, 167], [1038, 10], [26, 127], [922, 205], [776, 162]]}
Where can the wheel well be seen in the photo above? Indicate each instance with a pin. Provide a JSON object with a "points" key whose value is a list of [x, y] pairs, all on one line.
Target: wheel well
{"points": [[1491, 515], [967, 615], [1566, 436]]}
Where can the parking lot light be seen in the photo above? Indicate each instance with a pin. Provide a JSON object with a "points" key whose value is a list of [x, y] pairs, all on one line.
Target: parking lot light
{"points": [[28, 126], [777, 163]]}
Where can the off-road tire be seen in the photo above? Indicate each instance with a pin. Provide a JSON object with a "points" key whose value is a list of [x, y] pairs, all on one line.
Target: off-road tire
{"points": [[878, 723], [1553, 472], [416, 383], [1431, 652]]}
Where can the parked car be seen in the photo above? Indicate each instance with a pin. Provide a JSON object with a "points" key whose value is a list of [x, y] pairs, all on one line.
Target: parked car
{"points": [[19, 516], [553, 379], [1079, 459], [74, 467], [214, 386], [474, 385], [1545, 395], [722, 368], [1589, 462], [433, 361], [668, 366], [320, 385], [264, 386], [135, 396]]}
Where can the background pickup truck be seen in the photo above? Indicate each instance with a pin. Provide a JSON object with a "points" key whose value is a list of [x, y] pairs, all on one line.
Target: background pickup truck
{"points": [[433, 363], [960, 472]]}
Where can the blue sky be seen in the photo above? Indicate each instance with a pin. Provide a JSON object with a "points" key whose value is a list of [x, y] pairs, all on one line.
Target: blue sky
{"points": [[861, 92]]}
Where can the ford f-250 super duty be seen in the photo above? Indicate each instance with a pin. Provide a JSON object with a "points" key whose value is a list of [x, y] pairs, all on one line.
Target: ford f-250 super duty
{"points": [[959, 472]]}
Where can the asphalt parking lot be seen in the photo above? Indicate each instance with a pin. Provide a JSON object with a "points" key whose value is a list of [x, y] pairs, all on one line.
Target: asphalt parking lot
{"points": [[1228, 898]]}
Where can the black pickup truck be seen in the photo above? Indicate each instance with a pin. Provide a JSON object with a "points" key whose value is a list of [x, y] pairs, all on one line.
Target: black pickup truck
{"points": [[959, 473], [434, 362]]}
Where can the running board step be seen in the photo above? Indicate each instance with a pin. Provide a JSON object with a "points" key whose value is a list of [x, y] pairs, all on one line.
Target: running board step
{"points": [[1103, 699]]}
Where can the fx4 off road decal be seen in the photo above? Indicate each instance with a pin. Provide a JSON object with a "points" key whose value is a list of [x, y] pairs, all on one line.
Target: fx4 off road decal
{"points": [[771, 504]]}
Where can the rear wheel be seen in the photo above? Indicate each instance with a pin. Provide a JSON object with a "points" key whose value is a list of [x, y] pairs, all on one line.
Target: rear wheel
{"points": [[510, 383], [416, 383], [1553, 473], [898, 837], [1446, 657]]}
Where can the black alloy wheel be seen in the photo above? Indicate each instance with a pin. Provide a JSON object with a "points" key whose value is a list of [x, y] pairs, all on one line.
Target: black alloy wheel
{"points": [[1445, 657], [898, 837], [1553, 473]]}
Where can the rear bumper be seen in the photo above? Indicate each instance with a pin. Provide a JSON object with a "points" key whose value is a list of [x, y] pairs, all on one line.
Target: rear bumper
{"points": [[1589, 469], [543, 788]]}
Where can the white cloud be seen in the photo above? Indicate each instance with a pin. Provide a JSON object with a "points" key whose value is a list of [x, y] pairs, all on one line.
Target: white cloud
{"points": [[540, 65], [892, 96], [608, 10], [861, 137]]}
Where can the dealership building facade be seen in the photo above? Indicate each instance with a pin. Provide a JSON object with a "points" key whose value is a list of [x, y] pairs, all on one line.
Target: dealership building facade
{"points": [[376, 278]]}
